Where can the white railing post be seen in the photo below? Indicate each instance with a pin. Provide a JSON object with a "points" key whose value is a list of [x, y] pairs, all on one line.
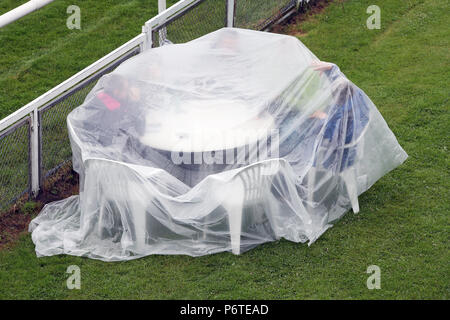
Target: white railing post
{"points": [[148, 41], [162, 5], [34, 156], [230, 13]]}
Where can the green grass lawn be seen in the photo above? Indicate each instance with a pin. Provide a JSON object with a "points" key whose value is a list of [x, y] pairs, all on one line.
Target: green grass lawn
{"points": [[403, 226]]}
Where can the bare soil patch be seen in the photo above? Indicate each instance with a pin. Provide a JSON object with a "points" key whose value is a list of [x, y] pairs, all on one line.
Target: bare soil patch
{"points": [[15, 220]]}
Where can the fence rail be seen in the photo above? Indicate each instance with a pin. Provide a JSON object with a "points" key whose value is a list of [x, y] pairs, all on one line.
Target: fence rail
{"points": [[34, 141]]}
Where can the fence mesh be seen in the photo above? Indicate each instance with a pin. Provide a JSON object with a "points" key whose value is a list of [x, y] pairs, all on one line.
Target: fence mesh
{"points": [[14, 162], [259, 14], [204, 17]]}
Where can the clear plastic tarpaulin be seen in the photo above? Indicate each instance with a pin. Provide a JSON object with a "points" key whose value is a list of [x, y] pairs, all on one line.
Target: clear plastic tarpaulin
{"points": [[223, 143]]}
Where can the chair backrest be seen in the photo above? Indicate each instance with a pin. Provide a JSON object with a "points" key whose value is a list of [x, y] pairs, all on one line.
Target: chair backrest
{"points": [[257, 178]]}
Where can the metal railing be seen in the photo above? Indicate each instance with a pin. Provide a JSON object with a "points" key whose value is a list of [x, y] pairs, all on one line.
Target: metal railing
{"points": [[34, 140]]}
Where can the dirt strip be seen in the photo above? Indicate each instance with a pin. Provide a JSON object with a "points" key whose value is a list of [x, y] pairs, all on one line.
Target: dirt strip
{"points": [[14, 221]]}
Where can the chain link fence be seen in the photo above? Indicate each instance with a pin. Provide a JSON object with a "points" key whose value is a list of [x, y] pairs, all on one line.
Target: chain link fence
{"points": [[261, 14], [15, 162], [201, 18]]}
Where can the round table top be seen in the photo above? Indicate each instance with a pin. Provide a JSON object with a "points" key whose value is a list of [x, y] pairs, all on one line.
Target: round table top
{"points": [[205, 125]]}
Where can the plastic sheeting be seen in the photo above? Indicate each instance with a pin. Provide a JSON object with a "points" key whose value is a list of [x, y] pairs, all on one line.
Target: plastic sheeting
{"points": [[220, 144]]}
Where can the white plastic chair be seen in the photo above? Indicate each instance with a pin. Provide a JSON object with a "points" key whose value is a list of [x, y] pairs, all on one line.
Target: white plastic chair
{"points": [[246, 189]]}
